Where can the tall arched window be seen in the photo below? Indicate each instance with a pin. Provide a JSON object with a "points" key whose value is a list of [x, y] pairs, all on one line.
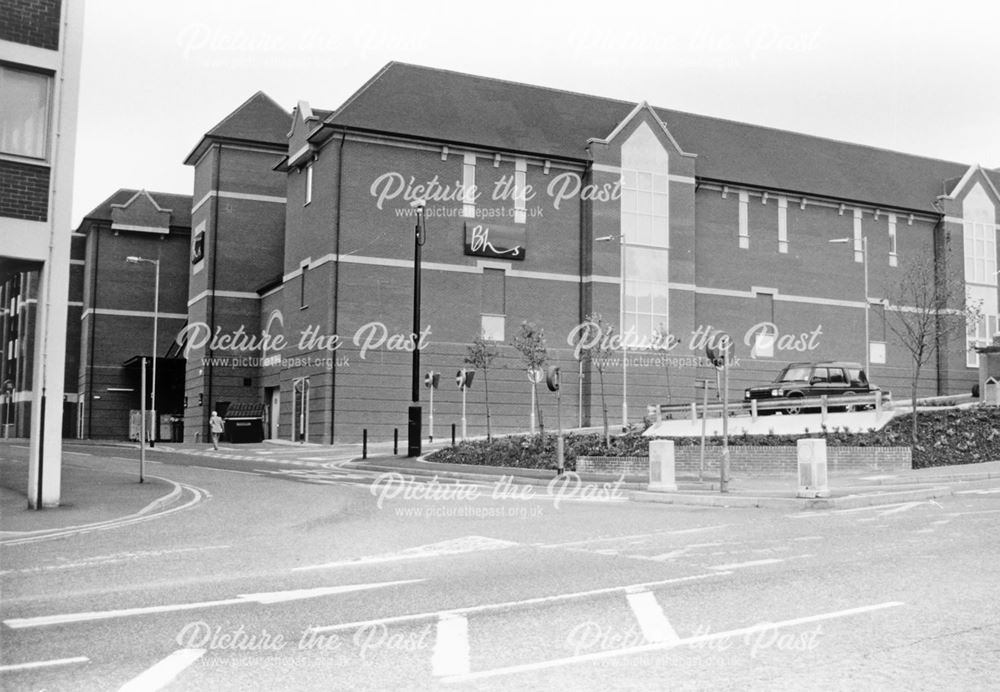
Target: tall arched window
{"points": [[646, 231], [980, 240]]}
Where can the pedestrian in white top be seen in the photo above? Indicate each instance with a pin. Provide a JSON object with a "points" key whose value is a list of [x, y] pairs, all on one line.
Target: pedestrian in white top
{"points": [[216, 426]]}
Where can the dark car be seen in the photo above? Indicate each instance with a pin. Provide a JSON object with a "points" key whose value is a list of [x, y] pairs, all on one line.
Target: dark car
{"points": [[802, 380]]}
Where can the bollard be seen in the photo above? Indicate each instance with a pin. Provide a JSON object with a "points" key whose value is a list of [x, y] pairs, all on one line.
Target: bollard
{"points": [[753, 410], [661, 466], [364, 443], [395, 441], [560, 456], [878, 402], [823, 409], [812, 468], [452, 434]]}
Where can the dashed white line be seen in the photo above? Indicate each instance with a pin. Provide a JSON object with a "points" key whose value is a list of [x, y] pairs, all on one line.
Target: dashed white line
{"points": [[161, 674], [751, 563], [635, 535], [451, 647], [43, 664], [652, 620]]}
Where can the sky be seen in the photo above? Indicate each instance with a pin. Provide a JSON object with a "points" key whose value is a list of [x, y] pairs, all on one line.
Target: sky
{"points": [[918, 77]]}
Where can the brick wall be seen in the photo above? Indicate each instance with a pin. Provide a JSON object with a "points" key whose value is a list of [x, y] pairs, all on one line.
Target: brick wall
{"points": [[24, 191], [31, 22], [757, 461]]}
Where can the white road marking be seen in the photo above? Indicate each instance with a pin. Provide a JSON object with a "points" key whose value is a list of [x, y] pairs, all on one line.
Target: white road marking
{"points": [[451, 647], [79, 454], [652, 621], [260, 598], [457, 546], [991, 491], [635, 535], [163, 673], [965, 514], [112, 559], [43, 664], [902, 508], [660, 646], [510, 605], [751, 563]]}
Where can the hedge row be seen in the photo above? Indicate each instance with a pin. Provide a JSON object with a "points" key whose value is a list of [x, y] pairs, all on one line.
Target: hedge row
{"points": [[965, 436]]}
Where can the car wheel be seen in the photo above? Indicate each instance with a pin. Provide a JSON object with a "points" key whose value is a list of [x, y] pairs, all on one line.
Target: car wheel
{"points": [[793, 410]]}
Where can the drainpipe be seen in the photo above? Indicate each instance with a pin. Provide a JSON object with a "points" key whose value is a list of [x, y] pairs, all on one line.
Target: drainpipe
{"points": [[336, 282], [215, 265], [93, 331]]}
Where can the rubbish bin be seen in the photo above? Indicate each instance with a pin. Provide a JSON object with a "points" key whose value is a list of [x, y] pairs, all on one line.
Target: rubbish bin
{"points": [[166, 429], [991, 394]]}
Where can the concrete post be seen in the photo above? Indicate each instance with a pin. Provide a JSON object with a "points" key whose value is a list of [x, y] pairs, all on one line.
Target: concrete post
{"points": [[661, 466], [812, 468]]}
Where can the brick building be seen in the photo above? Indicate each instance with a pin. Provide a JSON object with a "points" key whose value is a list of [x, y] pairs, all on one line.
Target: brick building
{"points": [[538, 202], [40, 46]]}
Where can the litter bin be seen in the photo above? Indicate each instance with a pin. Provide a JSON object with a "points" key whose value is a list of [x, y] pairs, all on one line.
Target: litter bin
{"points": [[166, 433]]}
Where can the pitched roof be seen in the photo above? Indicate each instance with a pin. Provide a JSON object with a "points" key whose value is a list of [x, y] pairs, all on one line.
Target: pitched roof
{"points": [[179, 206], [453, 107], [259, 119]]}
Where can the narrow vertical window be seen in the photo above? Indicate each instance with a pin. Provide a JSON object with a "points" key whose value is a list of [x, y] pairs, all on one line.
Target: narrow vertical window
{"points": [[744, 220], [859, 255], [469, 186], [302, 285], [309, 183], [893, 258], [494, 304], [783, 224], [520, 176]]}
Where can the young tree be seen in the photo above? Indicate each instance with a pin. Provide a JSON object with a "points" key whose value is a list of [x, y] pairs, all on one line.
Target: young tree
{"points": [[595, 339], [530, 343], [925, 308], [481, 354]]}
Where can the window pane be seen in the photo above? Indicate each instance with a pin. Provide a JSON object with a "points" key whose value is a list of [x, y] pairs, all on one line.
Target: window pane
{"points": [[643, 202], [660, 205], [628, 200], [660, 183], [628, 178], [24, 98], [645, 181]]}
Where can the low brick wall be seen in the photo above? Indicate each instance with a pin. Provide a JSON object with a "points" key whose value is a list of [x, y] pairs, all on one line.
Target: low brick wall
{"points": [[756, 461]]}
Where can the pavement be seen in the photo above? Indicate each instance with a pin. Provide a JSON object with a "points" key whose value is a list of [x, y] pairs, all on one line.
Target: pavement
{"points": [[95, 496]]}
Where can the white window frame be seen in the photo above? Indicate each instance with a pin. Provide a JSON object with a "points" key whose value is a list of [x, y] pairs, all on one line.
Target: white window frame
{"points": [[782, 224], [859, 253], [520, 185], [893, 240], [744, 220], [469, 185]]}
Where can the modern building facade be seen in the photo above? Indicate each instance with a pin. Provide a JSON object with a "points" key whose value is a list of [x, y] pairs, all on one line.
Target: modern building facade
{"points": [[548, 206], [40, 46], [288, 275]]}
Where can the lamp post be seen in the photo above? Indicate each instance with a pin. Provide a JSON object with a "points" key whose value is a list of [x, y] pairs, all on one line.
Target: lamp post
{"points": [[415, 417], [621, 307], [156, 317], [864, 252]]}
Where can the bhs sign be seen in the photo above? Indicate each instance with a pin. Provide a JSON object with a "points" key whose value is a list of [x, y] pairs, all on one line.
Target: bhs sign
{"points": [[490, 240]]}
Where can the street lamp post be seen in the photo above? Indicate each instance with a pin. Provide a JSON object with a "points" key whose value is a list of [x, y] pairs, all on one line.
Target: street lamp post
{"points": [[621, 307], [415, 417], [864, 252], [156, 318]]}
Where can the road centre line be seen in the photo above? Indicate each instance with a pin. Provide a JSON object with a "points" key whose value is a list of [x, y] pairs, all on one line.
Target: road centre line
{"points": [[163, 672], [662, 646], [43, 664], [259, 598], [511, 605], [451, 646], [652, 620], [635, 535]]}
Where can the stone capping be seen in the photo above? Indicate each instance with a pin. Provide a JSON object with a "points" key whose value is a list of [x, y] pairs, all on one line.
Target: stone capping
{"points": [[757, 460]]}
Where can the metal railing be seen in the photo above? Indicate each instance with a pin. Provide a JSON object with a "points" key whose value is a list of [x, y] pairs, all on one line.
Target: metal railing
{"points": [[789, 405]]}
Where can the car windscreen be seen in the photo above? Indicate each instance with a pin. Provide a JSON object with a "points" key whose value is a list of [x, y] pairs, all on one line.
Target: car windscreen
{"points": [[794, 373]]}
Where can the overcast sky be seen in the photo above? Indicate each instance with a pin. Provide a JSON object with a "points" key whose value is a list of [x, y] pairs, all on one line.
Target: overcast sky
{"points": [[918, 77]]}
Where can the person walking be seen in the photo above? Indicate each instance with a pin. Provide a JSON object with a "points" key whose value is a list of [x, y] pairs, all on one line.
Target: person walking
{"points": [[216, 427]]}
